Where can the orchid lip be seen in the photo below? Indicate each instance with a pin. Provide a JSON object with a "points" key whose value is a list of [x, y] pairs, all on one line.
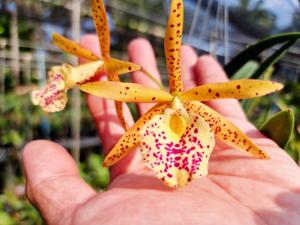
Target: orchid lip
{"points": [[177, 151]]}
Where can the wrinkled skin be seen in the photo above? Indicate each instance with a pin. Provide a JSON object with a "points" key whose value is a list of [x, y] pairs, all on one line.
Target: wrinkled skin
{"points": [[238, 190]]}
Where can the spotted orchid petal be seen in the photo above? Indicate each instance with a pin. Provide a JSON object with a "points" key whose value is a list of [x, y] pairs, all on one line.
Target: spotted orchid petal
{"points": [[72, 47], [172, 45], [131, 138], [102, 28], [53, 97], [117, 67], [126, 92], [177, 161], [225, 130], [119, 108], [239, 89]]}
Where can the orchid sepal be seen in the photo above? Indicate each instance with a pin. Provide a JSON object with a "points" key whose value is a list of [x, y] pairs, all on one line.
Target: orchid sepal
{"points": [[72, 47], [126, 92], [172, 46], [225, 130], [102, 28], [238, 89]]}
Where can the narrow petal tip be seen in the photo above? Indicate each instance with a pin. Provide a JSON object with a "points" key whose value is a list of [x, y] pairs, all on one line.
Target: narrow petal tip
{"points": [[278, 86], [116, 66], [263, 155], [104, 164]]}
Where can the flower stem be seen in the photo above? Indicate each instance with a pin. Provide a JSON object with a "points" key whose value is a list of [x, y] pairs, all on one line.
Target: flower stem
{"points": [[156, 81]]}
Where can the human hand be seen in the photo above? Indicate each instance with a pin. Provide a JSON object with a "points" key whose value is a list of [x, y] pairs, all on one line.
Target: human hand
{"points": [[238, 190]]}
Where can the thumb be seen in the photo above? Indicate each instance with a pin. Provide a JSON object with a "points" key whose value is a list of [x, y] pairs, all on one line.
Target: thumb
{"points": [[53, 183]]}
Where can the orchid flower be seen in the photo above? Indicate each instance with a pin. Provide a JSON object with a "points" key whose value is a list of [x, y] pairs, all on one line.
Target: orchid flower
{"points": [[61, 78], [176, 136]]}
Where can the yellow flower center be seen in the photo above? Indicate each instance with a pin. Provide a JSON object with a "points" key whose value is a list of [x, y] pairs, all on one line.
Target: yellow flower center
{"points": [[177, 124], [177, 118]]}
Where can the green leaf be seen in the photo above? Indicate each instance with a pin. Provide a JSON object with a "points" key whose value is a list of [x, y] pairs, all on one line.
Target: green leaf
{"points": [[246, 71], [15, 138], [253, 50], [279, 127], [272, 59], [99, 173], [6, 219], [268, 73], [294, 149]]}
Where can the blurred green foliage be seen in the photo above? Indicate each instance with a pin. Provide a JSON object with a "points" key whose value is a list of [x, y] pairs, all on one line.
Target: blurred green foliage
{"points": [[279, 127], [94, 173], [16, 210]]}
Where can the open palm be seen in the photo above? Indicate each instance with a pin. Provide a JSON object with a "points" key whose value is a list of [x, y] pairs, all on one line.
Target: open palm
{"points": [[238, 190]]}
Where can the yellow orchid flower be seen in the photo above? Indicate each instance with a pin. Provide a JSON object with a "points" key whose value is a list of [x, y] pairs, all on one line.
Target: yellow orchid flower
{"points": [[177, 135], [61, 78]]}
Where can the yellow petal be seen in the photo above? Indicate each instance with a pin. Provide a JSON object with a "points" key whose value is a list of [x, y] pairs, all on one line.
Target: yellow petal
{"points": [[72, 47], [225, 130], [119, 109], [172, 45], [117, 67], [131, 138], [177, 162], [126, 92], [102, 28], [53, 97], [83, 73], [239, 89]]}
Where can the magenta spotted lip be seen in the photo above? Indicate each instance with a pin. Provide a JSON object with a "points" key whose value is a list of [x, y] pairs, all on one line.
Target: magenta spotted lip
{"points": [[53, 97], [177, 162]]}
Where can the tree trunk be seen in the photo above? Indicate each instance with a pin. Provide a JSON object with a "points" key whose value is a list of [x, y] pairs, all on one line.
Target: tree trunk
{"points": [[14, 39], [76, 102]]}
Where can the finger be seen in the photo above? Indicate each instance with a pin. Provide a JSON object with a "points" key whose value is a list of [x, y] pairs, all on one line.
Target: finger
{"points": [[90, 42], [53, 182], [107, 122], [208, 70], [141, 52], [188, 61], [105, 116]]}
